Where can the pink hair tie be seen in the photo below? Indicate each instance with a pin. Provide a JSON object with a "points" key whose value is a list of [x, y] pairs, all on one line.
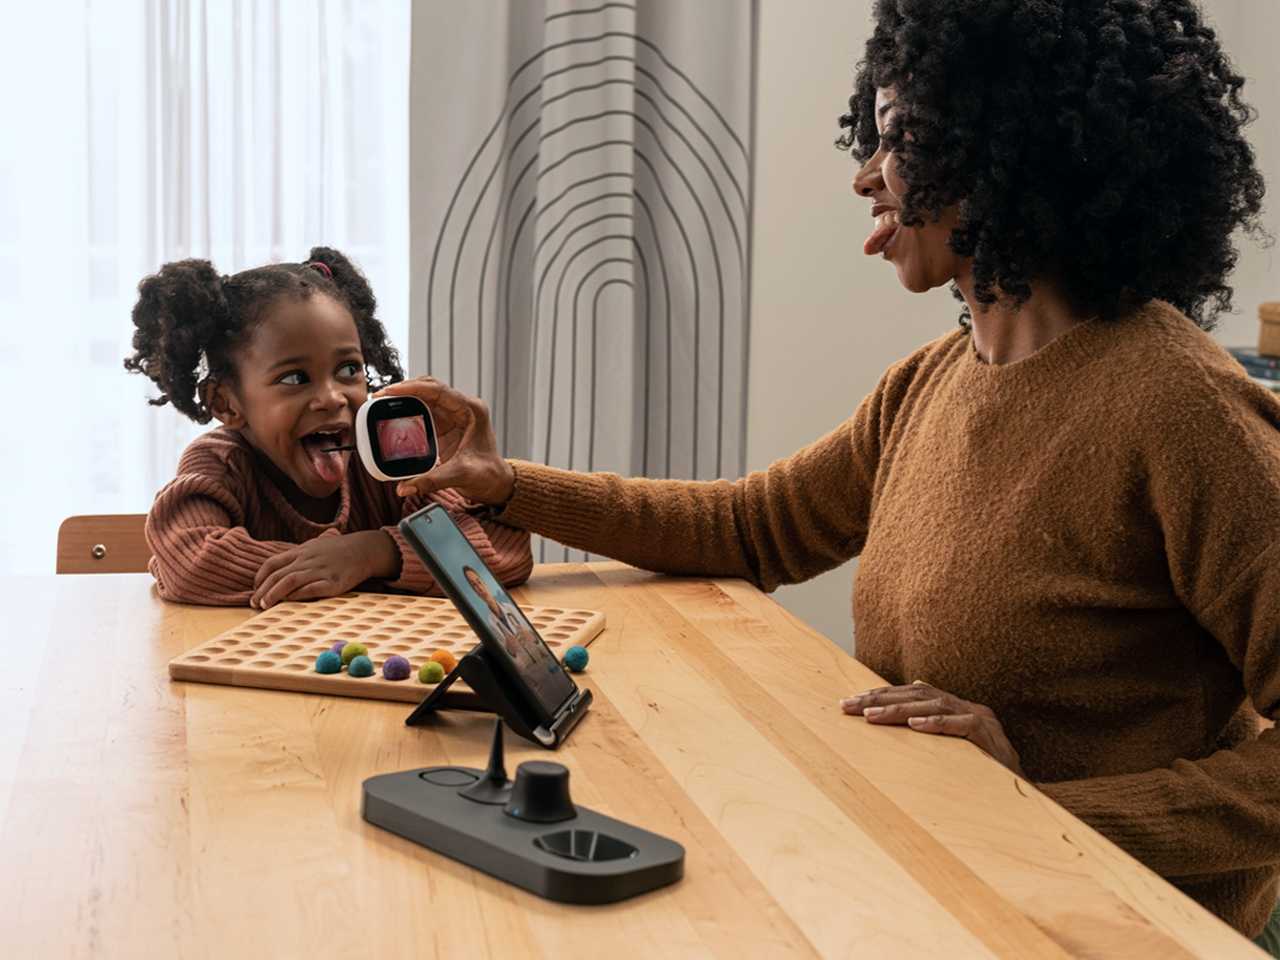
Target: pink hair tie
{"points": [[322, 267]]}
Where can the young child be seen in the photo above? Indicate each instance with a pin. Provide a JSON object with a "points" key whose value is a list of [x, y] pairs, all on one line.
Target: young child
{"points": [[260, 512]]}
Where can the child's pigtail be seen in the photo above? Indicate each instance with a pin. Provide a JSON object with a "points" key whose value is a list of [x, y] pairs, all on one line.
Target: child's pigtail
{"points": [[182, 322]]}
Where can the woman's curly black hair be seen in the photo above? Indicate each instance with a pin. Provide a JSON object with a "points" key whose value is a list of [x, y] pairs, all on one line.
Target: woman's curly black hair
{"points": [[190, 320], [1096, 143]]}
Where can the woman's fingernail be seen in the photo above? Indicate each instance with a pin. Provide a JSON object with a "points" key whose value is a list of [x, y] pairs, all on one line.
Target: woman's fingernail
{"points": [[873, 711], [917, 721]]}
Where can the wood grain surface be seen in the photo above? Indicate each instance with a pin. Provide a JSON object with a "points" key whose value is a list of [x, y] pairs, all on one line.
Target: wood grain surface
{"points": [[103, 543], [141, 817], [277, 648]]}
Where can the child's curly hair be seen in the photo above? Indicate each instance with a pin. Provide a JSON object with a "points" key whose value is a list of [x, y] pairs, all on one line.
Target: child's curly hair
{"points": [[190, 319], [1097, 143]]}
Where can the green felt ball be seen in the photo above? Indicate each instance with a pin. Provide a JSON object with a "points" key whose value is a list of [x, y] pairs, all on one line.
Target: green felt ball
{"points": [[328, 662], [353, 650], [575, 658], [361, 666], [430, 672]]}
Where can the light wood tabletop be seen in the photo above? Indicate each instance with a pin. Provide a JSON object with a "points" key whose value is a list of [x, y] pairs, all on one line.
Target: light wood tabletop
{"points": [[141, 817]]}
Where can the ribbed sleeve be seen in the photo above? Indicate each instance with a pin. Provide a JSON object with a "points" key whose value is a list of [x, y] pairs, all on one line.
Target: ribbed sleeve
{"points": [[212, 527], [201, 549]]}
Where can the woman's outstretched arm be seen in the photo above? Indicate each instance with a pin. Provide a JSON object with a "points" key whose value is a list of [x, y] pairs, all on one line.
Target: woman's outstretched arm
{"points": [[801, 516]]}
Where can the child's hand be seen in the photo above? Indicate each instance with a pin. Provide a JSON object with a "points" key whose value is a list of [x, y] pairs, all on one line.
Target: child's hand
{"points": [[469, 458], [327, 566]]}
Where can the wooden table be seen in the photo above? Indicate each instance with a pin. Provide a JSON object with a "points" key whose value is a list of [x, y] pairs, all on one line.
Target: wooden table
{"points": [[146, 818]]}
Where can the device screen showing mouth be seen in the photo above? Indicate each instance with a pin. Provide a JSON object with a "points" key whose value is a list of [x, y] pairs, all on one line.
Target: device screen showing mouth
{"points": [[402, 438]]}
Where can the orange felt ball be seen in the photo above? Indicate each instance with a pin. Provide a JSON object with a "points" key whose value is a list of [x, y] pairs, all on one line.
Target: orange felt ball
{"points": [[445, 659]]}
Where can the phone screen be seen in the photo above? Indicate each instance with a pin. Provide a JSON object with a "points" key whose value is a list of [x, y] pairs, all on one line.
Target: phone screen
{"points": [[489, 608], [403, 437]]}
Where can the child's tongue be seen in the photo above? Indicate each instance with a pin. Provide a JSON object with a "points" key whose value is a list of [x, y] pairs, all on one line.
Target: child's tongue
{"points": [[327, 465]]}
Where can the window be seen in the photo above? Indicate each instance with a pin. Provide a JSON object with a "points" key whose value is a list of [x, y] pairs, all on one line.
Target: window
{"points": [[143, 131]]}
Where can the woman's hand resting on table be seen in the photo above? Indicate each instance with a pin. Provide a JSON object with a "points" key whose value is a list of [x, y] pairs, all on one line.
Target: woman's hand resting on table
{"points": [[469, 461], [927, 709]]}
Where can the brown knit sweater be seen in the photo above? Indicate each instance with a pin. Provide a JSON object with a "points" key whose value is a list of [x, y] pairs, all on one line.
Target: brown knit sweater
{"points": [[1086, 541], [213, 525]]}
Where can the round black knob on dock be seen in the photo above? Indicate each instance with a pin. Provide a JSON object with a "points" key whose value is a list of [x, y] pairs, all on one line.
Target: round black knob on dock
{"points": [[540, 793]]}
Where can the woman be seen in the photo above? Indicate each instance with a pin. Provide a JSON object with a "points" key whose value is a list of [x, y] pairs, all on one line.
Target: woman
{"points": [[1068, 509]]}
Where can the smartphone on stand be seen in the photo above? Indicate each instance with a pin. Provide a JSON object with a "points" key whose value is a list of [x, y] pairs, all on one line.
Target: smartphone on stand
{"points": [[526, 675]]}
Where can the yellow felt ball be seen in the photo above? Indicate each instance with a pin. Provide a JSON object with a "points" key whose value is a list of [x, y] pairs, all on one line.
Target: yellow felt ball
{"points": [[430, 672], [445, 659], [353, 650]]}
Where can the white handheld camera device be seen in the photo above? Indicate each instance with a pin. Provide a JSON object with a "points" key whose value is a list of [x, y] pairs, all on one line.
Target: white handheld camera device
{"points": [[395, 437]]}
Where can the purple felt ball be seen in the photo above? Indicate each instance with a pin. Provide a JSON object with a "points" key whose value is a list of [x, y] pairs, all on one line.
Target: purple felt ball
{"points": [[396, 668], [337, 647]]}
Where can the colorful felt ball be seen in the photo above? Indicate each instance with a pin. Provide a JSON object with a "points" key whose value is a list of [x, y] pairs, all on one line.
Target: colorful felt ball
{"points": [[445, 659], [328, 662], [430, 672], [352, 650], [396, 668], [360, 666], [337, 647], [576, 657]]}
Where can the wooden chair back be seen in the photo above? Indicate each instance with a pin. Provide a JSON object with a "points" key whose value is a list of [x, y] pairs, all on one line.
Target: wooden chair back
{"points": [[111, 543]]}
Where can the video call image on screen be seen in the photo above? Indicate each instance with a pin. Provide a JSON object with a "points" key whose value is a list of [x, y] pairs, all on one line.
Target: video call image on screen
{"points": [[402, 438], [490, 603]]}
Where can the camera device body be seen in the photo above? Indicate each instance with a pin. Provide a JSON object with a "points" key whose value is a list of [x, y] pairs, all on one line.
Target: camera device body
{"points": [[395, 437]]}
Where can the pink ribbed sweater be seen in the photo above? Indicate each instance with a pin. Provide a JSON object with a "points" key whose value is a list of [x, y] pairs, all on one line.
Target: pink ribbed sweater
{"points": [[214, 524]]}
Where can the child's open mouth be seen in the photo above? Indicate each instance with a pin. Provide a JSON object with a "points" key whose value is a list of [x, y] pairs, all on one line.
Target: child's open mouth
{"points": [[329, 464]]}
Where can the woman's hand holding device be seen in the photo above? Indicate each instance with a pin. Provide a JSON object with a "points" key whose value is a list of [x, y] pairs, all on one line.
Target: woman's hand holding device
{"points": [[395, 437], [468, 449]]}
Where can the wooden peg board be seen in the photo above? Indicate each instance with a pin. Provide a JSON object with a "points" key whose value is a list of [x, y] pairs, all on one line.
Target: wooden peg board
{"points": [[277, 649]]}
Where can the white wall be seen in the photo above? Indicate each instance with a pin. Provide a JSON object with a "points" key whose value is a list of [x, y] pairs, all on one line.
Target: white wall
{"points": [[1249, 30], [826, 321]]}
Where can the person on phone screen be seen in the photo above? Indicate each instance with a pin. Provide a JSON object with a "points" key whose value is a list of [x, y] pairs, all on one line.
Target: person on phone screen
{"points": [[507, 622]]}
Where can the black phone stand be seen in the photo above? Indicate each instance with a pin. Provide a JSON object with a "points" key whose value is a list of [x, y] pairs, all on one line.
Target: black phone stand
{"points": [[495, 694]]}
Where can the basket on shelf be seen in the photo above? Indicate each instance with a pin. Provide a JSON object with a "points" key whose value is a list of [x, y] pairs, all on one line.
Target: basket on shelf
{"points": [[1269, 329]]}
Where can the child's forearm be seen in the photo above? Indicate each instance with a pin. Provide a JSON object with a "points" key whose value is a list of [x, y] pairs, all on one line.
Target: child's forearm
{"points": [[201, 550], [214, 567], [379, 553]]}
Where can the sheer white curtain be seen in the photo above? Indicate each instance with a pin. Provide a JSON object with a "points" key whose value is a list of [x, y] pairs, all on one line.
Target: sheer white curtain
{"points": [[141, 131]]}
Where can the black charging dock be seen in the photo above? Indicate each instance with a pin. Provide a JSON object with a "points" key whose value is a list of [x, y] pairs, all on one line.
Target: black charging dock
{"points": [[494, 693], [528, 833]]}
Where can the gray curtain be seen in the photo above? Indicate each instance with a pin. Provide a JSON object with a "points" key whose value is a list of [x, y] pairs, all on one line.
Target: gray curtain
{"points": [[581, 179]]}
